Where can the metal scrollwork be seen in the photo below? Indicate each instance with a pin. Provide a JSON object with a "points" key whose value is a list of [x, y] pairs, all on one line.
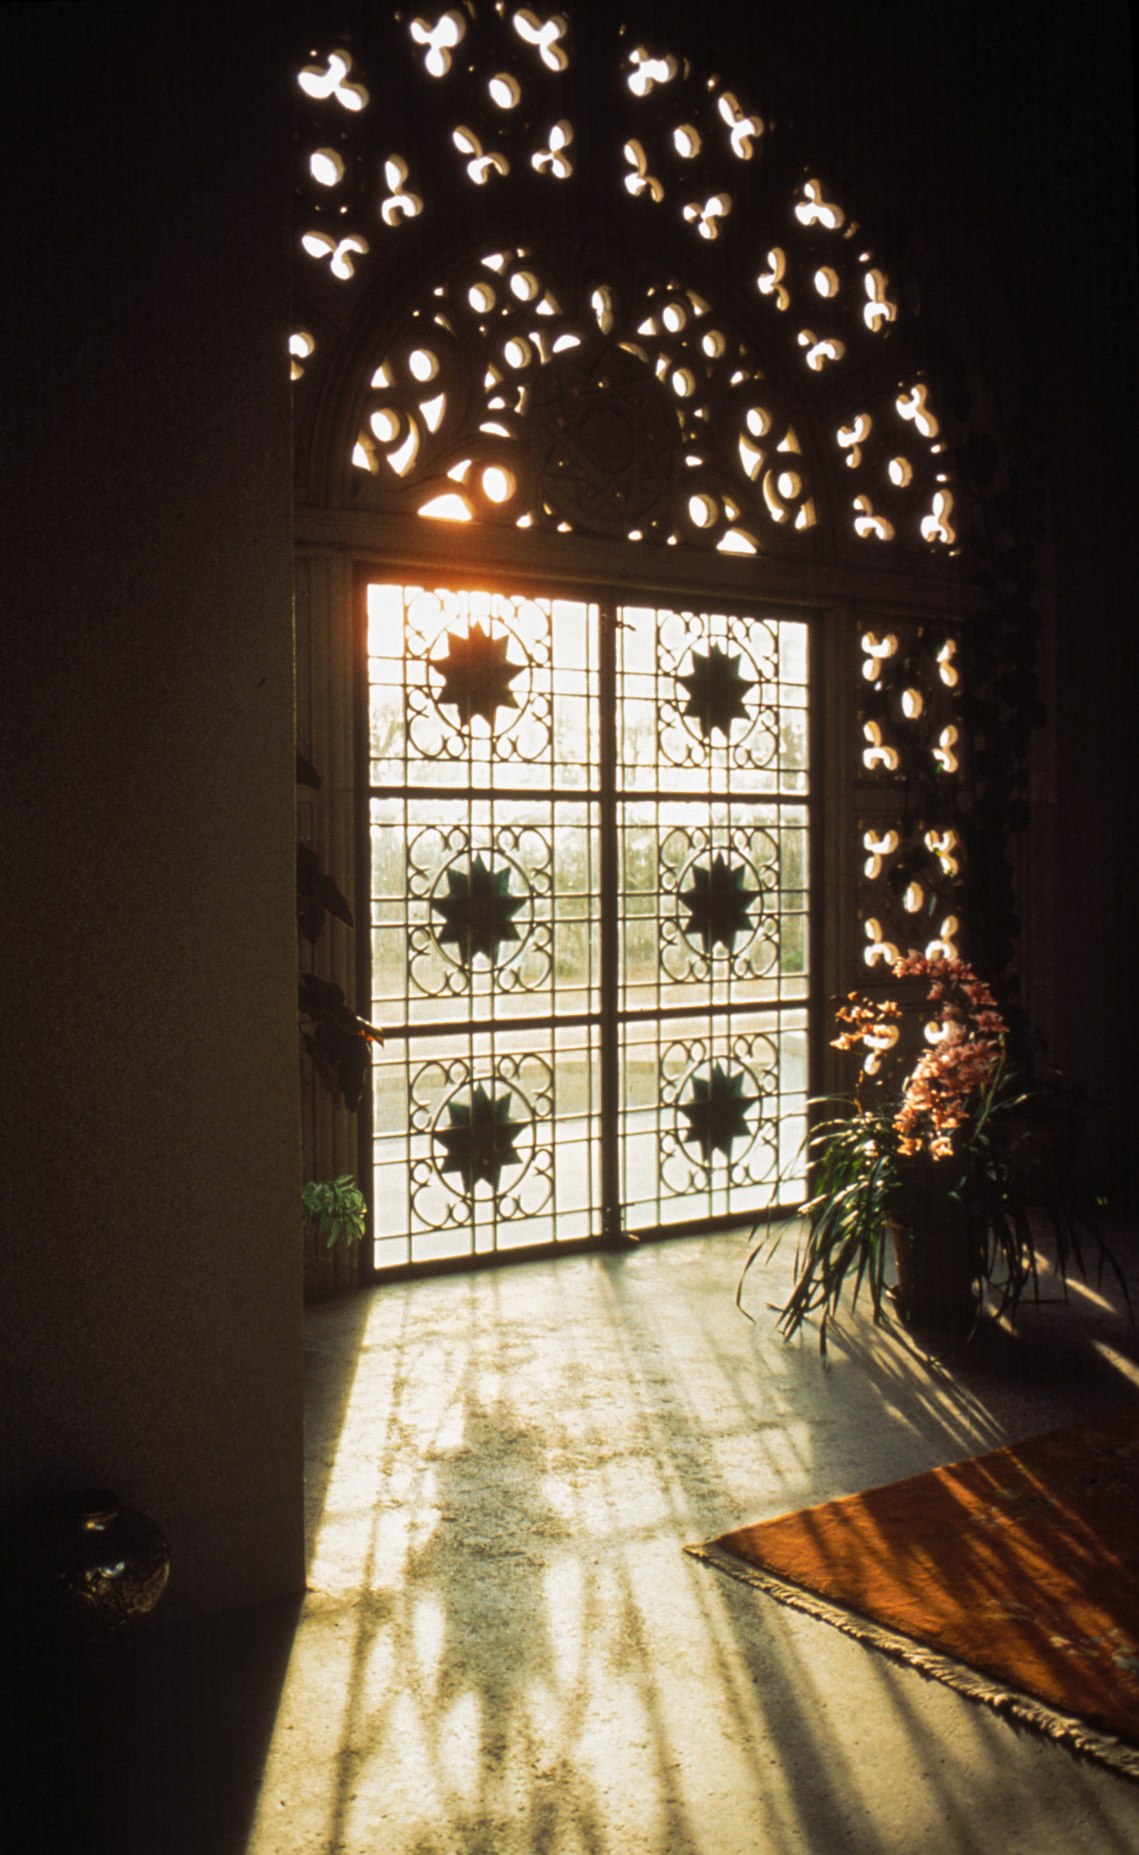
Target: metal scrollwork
{"points": [[477, 679], [709, 687], [720, 904], [483, 1154], [475, 910], [713, 1116]]}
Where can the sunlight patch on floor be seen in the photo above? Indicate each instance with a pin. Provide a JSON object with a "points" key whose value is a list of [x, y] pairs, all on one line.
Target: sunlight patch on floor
{"points": [[505, 1648]]}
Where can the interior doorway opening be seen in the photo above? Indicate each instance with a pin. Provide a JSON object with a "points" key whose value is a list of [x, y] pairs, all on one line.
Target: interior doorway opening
{"points": [[598, 381]]}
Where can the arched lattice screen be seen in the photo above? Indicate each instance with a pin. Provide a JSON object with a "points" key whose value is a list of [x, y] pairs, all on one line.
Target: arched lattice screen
{"points": [[634, 318], [563, 295]]}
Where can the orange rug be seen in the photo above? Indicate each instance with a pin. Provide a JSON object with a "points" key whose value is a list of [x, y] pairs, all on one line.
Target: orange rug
{"points": [[1013, 1577]]}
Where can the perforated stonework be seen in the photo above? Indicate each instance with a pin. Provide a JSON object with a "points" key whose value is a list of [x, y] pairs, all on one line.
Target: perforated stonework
{"points": [[638, 320]]}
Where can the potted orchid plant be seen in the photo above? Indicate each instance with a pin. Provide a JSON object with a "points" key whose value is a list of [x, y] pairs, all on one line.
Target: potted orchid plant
{"points": [[926, 1168]]}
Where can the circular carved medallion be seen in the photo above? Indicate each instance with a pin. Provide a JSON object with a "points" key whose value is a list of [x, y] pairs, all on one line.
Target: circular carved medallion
{"points": [[606, 438]]}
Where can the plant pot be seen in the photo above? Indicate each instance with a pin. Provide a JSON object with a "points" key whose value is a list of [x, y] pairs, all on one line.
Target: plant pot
{"points": [[940, 1265]]}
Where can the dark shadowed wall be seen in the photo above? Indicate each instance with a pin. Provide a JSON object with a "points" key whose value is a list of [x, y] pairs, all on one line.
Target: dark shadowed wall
{"points": [[151, 1246]]}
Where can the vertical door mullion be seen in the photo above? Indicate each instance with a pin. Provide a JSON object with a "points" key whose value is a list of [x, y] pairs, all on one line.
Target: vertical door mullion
{"points": [[612, 1210], [362, 825]]}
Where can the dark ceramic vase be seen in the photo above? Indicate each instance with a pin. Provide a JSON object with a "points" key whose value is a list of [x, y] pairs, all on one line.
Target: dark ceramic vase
{"points": [[939, 1274], [111, 1564]]}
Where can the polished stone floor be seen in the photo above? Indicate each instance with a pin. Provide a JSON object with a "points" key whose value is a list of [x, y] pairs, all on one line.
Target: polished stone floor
{"points": [[504, 1648]]}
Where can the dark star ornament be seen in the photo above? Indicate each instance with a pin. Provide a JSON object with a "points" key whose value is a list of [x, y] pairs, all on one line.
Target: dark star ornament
{"points": [[480, 1140], [478, 911], [716, 691], [717, 1112], [718, 905], [476, 675]]}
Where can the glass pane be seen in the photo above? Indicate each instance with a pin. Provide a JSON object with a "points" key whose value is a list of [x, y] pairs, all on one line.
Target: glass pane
{"points": [[489, 809], [712, 909]]}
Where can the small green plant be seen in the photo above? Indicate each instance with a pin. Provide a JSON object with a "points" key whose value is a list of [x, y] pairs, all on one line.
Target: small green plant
{"points": [[335, 1209]]}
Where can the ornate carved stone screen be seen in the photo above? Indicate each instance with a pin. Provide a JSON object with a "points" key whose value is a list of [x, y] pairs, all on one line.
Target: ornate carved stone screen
{"points": [[589, 909], [623, 417]]}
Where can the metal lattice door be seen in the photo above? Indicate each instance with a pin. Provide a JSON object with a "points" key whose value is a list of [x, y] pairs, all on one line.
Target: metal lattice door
{"points": [[589, 916]]}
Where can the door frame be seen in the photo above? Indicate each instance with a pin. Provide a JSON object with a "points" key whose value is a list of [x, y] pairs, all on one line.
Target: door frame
{"points": [[340, 552]]}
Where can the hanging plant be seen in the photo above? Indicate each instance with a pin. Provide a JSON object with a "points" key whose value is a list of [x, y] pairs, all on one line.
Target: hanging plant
{"points": [[335, 1038]]}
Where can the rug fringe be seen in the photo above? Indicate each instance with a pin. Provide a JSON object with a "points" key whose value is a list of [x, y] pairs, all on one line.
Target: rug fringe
{"points": [[1019, 1708]]}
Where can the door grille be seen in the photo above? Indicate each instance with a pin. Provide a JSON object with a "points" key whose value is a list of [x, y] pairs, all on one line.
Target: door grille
{"points": [[589, 912]]}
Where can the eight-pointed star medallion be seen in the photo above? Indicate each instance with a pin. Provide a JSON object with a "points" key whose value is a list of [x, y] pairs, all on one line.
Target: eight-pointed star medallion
{"points": [[476, 675], [717, 1112], [478, 911], [718, 905], [481, 1138], [716, 691]]}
